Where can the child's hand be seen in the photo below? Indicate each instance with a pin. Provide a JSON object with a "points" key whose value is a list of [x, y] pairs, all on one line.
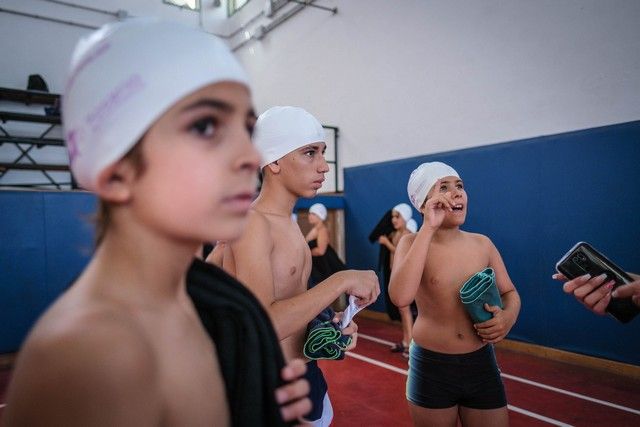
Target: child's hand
{"points": [[435, 207], [352, 330], [384, 240], [293, 396], [363, 285], [494, 329]]}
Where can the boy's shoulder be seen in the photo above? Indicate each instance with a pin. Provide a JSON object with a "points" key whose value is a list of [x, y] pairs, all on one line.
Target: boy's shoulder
{"points": [[476, 238], [258, 225], [256, 216], [95, 335], [86, 356], [257, 234], [407, 238]]}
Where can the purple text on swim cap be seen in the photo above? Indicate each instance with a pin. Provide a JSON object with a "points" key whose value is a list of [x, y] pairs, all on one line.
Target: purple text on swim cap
{"points": [[97, 52], [114, 99], [72, 145]]}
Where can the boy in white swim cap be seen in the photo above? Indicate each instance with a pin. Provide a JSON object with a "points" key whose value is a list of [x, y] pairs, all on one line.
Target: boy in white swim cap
{"points": [[400, 216], [318, 238], [272, 257], [170, 158], [324, 259], [452, 368]]}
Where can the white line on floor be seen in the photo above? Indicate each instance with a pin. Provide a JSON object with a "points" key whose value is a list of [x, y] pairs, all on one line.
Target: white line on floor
{"points": [[570, 393], [404, 372], [377, 363], [536, 416], [533, 383], [374, 339]]}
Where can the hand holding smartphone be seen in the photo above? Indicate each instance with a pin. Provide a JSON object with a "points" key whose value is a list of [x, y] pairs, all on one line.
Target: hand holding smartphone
{"points": [[584, 259]]}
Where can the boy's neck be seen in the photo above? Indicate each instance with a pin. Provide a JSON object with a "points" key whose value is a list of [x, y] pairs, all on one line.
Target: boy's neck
{"points": [[447, 234], [275, 199], [145, 263]]}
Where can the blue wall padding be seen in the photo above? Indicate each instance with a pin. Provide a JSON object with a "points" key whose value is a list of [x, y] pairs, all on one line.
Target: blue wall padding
{"points": [[534, 198], [47, 238], [329, 202]]}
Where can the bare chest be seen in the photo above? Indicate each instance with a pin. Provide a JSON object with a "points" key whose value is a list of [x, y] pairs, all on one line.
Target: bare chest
{"points": [[190, 379], [447, 268], [290, 261]]}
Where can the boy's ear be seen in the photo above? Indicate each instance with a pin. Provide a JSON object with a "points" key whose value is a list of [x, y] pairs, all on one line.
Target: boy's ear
{"points": [[274, 167], [114, 183]]}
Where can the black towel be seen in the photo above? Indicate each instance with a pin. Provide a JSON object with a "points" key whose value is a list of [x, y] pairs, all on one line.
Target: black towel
{"points": [[323, 266], [384, 227], [248, 349]]}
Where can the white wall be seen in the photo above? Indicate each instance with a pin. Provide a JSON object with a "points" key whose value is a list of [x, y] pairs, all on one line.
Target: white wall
{"points": [[409, 77], [403, 77], [31, 46]]}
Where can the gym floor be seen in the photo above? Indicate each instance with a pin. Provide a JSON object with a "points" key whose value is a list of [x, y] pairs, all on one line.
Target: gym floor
{"points": [[367, 387]]}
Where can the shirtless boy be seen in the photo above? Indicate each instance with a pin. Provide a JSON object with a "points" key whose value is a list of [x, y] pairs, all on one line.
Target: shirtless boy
{"points": [[452, 368], [171, 161], [400, 216], [272, 257]]}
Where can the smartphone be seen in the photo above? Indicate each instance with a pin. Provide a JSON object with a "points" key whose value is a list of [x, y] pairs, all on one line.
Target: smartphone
{"points": [[585, 259]]}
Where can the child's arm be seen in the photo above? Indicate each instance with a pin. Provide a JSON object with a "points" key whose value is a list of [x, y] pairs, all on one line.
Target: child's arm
{"points": [[384, 241], [312, 234], [495, 329], [408, 265], [252, 255], [411, 252], [323, 242]]}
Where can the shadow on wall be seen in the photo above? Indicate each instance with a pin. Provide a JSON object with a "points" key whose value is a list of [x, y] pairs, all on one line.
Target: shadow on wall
{"points": [[534, 198]]}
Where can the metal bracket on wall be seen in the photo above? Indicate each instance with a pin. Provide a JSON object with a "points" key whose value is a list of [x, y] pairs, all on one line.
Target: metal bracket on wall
{"points": [[261, 31], [118, 14]]}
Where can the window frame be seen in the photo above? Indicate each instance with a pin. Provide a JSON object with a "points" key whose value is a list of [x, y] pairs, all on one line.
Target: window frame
{"points": [[229, 3], [184, 6]]}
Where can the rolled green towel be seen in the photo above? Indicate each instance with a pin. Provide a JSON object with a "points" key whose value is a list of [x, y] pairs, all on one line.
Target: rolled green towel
{"points": [[324, 339], [476, 284], [479, 289]]}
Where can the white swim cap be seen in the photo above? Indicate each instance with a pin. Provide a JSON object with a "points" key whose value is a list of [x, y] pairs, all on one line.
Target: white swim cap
{"points": [[423, 178], [281, 130], [404, 210], [412, 225], [124, 76], [319, 209]]}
